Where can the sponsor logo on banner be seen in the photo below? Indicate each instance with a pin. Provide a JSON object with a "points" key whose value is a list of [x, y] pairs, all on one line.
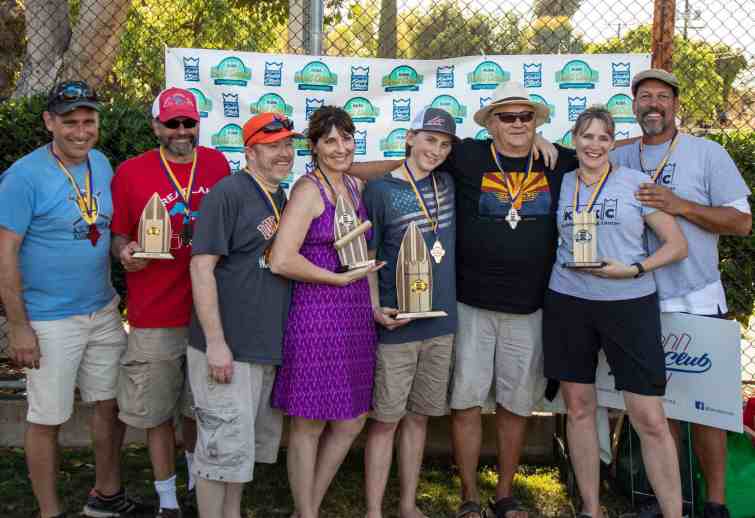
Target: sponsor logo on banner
{"points": [[301, 146], [316, 76], [621, 74], [577, 74], [229, 139], [191, 69], [482, 135], [487, 76], [484, 101], [231, 71], [533, 75], [576, 106], [204, 103], [271, 102], [566, 140], [620, 106], [309, 167], [551, 107], [403, 78], [394, 145], [452, 106], [289, 180], [361, 109], [234, 165], [360, 79], [230, 105], [360, 142], [444, 77], [311, 105], [621, 134], [273, 73], [402, 110]]}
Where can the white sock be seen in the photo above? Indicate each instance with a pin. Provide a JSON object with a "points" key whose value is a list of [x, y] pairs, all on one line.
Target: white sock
{"points": [[189, 462], [166, 490]]}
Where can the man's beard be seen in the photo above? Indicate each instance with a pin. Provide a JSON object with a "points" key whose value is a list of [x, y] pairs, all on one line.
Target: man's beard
{"points": [[656, 127], [181, 149]]}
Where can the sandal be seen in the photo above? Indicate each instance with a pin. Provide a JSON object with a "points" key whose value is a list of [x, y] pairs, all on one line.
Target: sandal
{"points": [[470, 507], [505, 505]]}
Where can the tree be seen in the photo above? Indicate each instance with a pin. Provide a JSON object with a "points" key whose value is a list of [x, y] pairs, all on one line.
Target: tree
{"points": [[565, 8], [353, 35], [553, 35], [11, 43], [388, 29]]}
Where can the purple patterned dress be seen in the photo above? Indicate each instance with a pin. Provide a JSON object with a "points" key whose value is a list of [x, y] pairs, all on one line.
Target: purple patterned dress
{"points": [[330, 339]]}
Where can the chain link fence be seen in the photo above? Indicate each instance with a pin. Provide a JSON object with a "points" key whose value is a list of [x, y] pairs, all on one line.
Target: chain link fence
{"points": [[118, 45]]}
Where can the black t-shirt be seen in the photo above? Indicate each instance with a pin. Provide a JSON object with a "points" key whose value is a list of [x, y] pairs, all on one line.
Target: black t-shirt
{"points": [[500, 268], [237, 224]]}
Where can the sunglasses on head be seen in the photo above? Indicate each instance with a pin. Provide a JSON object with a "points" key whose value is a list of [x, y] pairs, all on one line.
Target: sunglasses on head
{"points": [[73, 91], [274, 126], [175, 123], [511, 118]]}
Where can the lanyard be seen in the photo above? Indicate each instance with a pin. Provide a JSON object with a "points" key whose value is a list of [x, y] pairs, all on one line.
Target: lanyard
{"points": [[513, 196], [266, 196], [421, 200], [595, 192], [184, 193], [86, 204], [664, 160], [354, 203]]}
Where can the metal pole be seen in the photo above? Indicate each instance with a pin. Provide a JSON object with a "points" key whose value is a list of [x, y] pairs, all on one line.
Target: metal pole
{"points": [[664, 15], [316, 21]]}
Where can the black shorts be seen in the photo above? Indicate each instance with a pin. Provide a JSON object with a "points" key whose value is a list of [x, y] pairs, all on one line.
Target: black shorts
{"points": [[629, 331]]}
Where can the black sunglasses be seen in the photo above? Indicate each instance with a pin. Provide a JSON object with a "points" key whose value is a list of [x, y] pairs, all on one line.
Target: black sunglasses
{"points": [[175, 123], [510, 118], [274, 126], [72, 91]]}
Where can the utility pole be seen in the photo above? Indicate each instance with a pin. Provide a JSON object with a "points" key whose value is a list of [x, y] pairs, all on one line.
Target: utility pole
{"points": [[664, 15]]}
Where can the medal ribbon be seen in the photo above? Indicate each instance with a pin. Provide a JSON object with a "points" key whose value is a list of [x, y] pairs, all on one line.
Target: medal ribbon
{"points": [[86, 205], [267, 197], [664, 160], [595, 192], [185, 194], [507, 176], [421, 200], [354, 203]]}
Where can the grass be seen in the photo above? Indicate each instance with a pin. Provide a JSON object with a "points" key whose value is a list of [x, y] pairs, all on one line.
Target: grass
{"points": [[538, 487]]}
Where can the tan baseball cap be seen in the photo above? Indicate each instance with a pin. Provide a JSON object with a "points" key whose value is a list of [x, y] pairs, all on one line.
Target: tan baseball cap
{"points": [[658, 74]]}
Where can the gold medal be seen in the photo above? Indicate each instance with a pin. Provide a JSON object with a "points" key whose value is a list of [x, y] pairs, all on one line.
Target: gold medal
{"points": [[87, 205]]}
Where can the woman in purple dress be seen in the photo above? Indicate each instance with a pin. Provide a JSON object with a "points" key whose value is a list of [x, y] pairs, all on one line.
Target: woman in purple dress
{"points": [[325, 381]]}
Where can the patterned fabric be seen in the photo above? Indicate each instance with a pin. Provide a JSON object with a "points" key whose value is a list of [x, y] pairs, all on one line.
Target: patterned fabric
{"points": [[329, 343]]}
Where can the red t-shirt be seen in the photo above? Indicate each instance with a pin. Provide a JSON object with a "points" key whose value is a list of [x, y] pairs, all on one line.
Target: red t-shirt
{"points": [[160, 294]]}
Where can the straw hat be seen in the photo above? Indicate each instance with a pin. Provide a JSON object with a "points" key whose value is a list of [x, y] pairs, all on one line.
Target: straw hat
{"points": [[511, 92]]}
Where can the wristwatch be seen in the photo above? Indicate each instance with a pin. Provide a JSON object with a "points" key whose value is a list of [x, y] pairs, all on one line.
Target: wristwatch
{"points": [[640, 270]]}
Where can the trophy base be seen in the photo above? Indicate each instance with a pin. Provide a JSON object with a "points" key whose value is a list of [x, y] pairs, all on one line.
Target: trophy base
{"points": [[586, 264], [421, 314], [152, 255]]}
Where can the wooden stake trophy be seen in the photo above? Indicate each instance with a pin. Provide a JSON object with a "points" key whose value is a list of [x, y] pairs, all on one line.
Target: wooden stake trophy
{"points": [[414, 277], [585, 231], [154, 231], [349, 234]]}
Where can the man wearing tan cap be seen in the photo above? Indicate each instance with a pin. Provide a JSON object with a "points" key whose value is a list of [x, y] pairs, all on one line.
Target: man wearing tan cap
{"points": [[240, 311], [695, 180], [152, 384], [506, 243]]}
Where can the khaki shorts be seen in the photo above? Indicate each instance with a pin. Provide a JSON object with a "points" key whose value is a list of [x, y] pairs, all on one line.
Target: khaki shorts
{"points": [[412, 377], [152, 385], [83, 351], [504, 348], [236, 426]]}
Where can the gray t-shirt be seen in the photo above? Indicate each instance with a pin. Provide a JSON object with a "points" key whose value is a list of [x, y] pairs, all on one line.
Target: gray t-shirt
{"points": [[621, 236], [238, 225], [392, 205], [701, 171]]}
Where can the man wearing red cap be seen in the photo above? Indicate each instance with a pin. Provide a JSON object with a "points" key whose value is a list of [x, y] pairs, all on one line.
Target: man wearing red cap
{"points": [[152, 383], [241, 308]]}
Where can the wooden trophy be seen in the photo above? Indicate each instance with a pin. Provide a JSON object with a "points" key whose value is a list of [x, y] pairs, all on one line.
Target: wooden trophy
{"points": [[154, 231], [414, 277], [350, 241], [585, 241]]}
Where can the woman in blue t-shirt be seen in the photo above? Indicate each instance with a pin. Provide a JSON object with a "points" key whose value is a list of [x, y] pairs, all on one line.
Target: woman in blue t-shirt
{"points": [[603, 299]]}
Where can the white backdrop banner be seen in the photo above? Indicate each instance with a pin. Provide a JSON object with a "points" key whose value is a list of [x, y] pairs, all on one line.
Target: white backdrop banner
{"points": [[383, 95]]}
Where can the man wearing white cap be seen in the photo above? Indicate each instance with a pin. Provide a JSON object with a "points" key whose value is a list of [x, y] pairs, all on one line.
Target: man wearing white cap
{"points": [[152, 383], [695, 180]]}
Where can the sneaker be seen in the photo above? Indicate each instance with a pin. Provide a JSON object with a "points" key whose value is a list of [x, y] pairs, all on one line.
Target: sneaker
{"points": [[169, 513], [714, 510], [120, 504]]}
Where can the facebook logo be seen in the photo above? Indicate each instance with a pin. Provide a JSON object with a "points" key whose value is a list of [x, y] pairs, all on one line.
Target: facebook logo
{"points": [[699, 405]]}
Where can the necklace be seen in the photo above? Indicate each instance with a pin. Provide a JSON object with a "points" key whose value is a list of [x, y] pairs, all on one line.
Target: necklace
{"points": [[86, 203], [437, 251], [513, 217]]}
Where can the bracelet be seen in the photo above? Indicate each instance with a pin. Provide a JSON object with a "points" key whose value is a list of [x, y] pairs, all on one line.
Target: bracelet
{"points": [[640, 270]]}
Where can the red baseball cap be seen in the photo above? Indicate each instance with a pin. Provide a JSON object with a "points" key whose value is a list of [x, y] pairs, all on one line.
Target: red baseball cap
{"points": [[173, 103], [268, 127]]}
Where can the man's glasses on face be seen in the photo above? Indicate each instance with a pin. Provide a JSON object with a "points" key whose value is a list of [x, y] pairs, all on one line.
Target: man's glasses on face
{"points": [[511, 118], [175, 123]]}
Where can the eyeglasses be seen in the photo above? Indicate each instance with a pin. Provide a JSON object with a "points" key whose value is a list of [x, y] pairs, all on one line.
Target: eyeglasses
{"points": [[511, 118], [72, 91], [175, 123], [274, 126]]}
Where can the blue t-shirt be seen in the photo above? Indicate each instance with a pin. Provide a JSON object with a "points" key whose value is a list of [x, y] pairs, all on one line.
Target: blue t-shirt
{"points": [[62, 273], [392, 205]]}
